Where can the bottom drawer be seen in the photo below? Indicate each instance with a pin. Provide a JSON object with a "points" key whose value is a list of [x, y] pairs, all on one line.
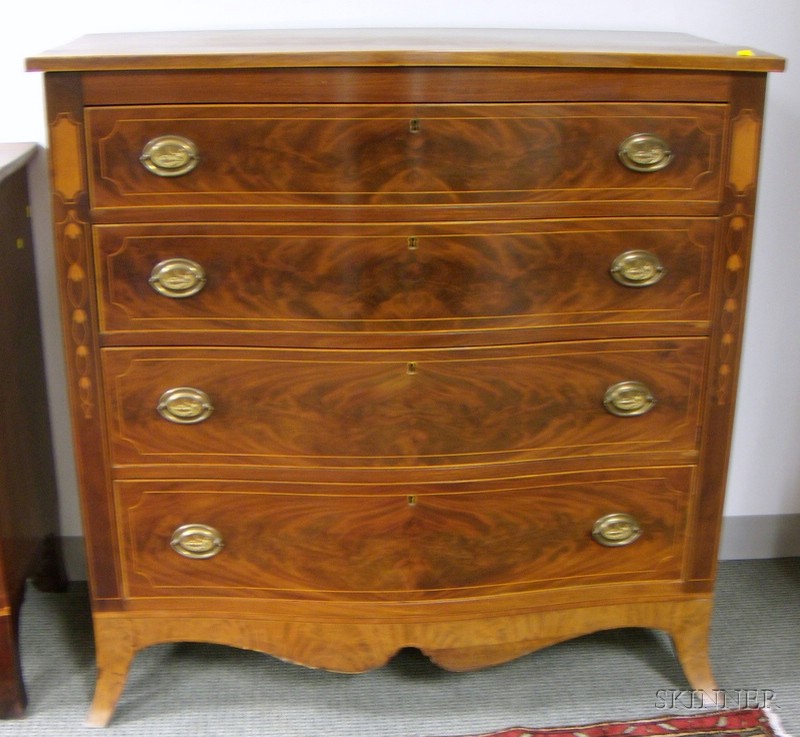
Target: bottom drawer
{"points": [[401, 543]]}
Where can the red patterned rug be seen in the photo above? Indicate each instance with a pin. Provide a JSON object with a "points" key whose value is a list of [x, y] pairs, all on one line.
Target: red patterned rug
{"points": [[739, 723]]}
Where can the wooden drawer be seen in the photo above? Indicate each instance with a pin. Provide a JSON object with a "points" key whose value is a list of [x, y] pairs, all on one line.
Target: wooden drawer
{"points": [[346, 279], [384, 155], [404, 542], [406, 408]]}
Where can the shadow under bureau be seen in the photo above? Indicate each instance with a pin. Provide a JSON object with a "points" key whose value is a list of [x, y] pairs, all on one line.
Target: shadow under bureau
{"points": [[401, 338]]}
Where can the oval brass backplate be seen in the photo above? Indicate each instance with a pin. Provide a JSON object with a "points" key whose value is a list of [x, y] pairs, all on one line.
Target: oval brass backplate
{"points": [[170, 156], [185, 405], [628, 399], [645, 152], [196, 541], [637, 268], [177, 278], [617, 529]]}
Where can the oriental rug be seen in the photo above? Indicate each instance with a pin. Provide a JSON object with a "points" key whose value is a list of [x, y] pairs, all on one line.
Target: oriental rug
{"points": [[738, 723]]}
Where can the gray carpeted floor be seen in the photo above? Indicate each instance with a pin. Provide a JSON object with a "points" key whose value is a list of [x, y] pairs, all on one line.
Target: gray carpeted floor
{"points": [[203, 690]]}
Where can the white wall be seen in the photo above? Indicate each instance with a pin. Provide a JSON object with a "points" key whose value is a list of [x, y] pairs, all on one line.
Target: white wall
{"points": [[765, 470]]}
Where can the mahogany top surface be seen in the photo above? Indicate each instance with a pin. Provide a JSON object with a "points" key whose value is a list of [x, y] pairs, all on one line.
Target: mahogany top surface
{"points": [[397, 47]]}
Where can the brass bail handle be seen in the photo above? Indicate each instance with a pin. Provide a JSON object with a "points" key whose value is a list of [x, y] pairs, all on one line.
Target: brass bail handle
{"points": [[637, 268], [196, 541], [629, 399], [645, 152], [616, 530], [177, 278], [185, 405], [170, 156]]}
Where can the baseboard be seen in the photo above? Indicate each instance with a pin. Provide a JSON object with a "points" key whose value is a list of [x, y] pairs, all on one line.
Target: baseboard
{"points": [[743, 538], [760, 536], [74, 554]]}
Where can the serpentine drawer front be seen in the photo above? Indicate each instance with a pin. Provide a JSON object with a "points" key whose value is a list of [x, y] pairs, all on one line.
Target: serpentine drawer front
{"points": [[473, 277], [422, 339], [422, 408], [281, 541], [410, 155]]}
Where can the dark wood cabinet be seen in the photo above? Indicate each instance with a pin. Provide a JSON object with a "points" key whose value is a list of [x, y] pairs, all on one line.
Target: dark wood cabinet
{"points": [[28, 506], [419, 338]]}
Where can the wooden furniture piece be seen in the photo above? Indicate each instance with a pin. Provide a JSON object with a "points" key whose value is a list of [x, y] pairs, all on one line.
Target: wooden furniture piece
{"points": [[28, 508], [401, 338]]}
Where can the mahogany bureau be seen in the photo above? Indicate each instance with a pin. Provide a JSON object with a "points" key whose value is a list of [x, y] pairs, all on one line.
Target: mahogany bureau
{"points": [[384, 339], [28, 506]]}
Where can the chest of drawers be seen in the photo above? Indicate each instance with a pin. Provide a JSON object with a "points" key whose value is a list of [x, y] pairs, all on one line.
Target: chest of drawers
{"points": [[401, 339], [28, 507]]}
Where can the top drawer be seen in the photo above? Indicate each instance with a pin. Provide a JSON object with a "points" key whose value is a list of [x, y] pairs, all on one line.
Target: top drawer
{"points": [[400, 155]]}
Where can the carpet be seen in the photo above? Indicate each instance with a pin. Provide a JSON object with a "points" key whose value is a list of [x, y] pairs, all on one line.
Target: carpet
{"points": [[738, 723]]}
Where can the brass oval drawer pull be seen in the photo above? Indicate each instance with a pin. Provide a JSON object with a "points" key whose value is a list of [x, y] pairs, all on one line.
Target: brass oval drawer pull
{"points": [[177, 278], [170, 156], [196, 541], [185, 405], [645, 152], [629, 399], [637, 268], [614, 530]]}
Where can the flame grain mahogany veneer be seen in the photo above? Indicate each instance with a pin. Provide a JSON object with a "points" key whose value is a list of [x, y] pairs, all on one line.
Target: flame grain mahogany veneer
{"points": [[385, 339]]}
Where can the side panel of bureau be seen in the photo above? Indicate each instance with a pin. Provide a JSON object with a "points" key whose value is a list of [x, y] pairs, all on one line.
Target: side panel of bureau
{"points": [[72, 238], [730, 292]]}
